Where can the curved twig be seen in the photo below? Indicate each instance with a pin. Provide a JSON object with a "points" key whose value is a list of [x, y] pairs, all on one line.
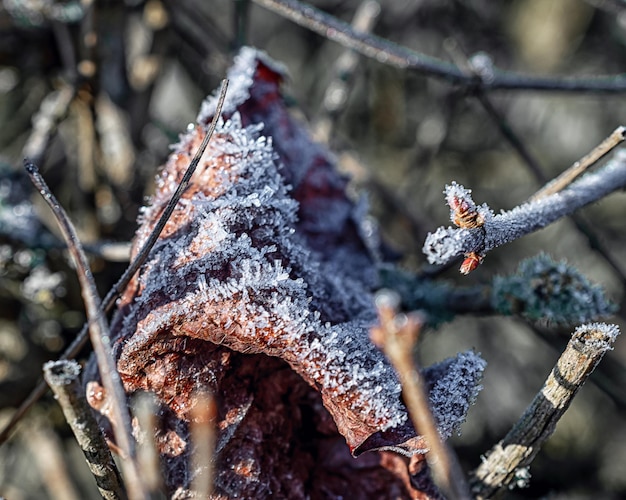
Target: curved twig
{"points": [[98, 333]]}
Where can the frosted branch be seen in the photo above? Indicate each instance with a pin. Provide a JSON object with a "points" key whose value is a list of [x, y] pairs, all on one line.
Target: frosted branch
{"points": [[447, 243]]}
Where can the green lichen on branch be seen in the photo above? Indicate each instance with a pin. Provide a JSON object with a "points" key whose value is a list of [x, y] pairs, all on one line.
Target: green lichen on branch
{"points": [[545, 290]]}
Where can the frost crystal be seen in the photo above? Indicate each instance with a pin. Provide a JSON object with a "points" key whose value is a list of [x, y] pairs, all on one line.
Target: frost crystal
{"points": [[256, 287], [454, 384], [603, 342]]}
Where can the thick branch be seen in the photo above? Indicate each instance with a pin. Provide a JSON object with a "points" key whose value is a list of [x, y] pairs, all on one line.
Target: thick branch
{"points": [[389, 53], [63, 378], [507, 460], [447, 243]]}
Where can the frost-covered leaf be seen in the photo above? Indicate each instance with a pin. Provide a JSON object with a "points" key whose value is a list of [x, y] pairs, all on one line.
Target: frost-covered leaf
{"points": [[260, 289]]}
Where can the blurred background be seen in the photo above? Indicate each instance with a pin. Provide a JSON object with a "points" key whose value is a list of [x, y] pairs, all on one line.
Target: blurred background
{"points": [[124, 78]]}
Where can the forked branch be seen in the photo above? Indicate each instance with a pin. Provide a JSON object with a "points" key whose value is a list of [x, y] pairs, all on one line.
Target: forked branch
{"points": [[392, 54]]}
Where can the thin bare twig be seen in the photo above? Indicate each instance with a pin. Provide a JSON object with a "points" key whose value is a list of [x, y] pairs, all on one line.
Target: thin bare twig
{"points": [[578, 168], [474, 67], [392, 54], [203, 437], [397, 335], [63, 378], [496, 230], [98, 334], [109, 300], [50, 463], [336, 95], [507, 460], [146, 410], [51, 111]]}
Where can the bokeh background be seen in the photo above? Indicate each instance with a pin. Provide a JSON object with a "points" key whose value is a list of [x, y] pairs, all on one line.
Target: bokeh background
{"points": [[399, 135]]}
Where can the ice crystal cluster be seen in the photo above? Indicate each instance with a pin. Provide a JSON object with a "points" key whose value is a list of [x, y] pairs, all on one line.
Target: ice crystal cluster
{"points": [[545, 290], [452, 380], [602, 341]]}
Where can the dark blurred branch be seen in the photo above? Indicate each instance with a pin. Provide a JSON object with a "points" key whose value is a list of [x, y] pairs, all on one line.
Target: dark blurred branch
{"points": [[506, 462], [66, 49], [392, 54], [119, 287], [63, 377], [241, 18], [481, 63], [614, 7], [337, 92], [51, 111]]}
